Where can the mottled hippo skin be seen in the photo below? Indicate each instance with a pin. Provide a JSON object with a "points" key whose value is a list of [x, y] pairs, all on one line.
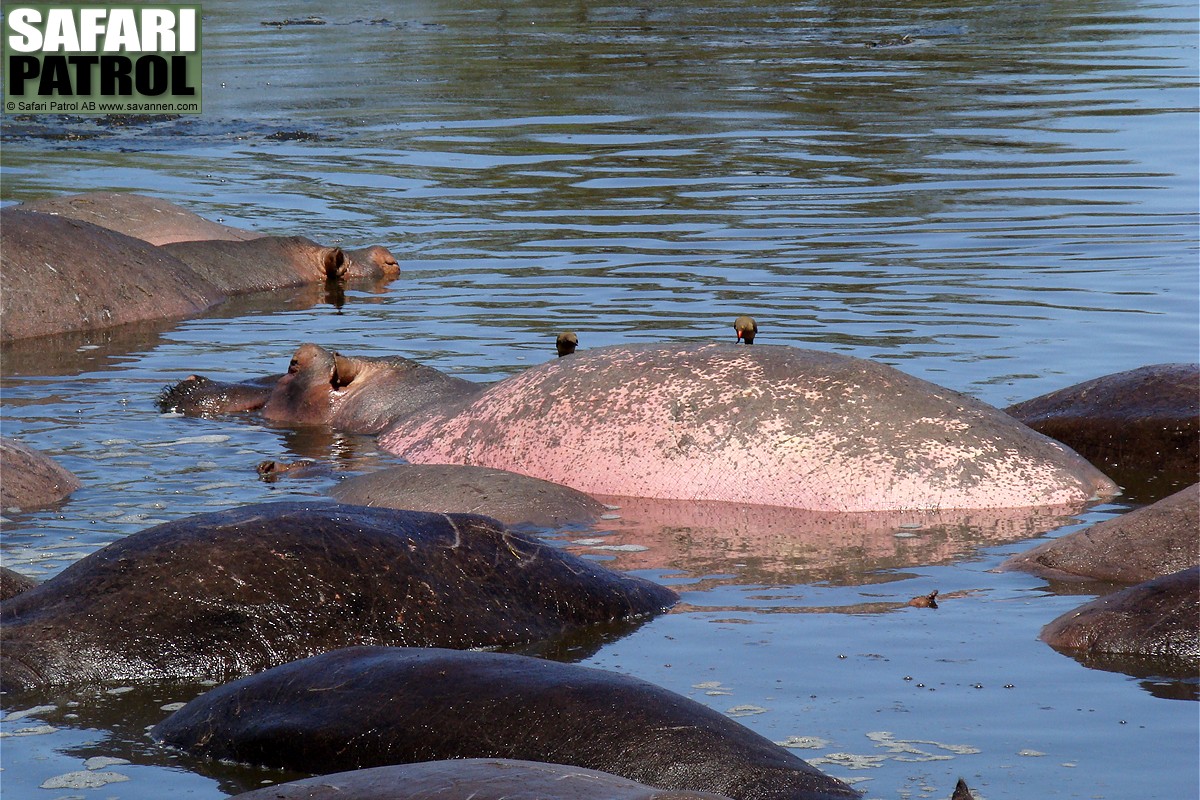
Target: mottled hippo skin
{"points": [[472, 779], [1138, 426], [62, 274], [226, 594], [377, 706], [29, 479], [769, 425]]}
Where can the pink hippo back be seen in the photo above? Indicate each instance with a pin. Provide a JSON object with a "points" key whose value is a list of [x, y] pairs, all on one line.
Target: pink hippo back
{"points": [[771, 425]]}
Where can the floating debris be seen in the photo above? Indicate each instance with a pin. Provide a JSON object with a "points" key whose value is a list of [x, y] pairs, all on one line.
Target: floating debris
{"points": [[804, 742], [745, 711], [83, 780], [13, 716]]}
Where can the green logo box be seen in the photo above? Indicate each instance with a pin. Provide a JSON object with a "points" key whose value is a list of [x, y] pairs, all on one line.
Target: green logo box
{"points": [[101, 59]]}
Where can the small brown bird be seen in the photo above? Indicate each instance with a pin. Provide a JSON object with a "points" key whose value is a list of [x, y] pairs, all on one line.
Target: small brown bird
{"points": [[746, 329], [566, 343], [926, 601]]}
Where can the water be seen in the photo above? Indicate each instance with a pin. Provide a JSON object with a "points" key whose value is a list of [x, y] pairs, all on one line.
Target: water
{"points": [[998, 198]]}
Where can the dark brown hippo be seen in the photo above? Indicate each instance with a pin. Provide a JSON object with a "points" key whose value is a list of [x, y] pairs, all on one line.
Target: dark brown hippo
{"points": [[29, 479], [161, 222], [13, 583], [768, 425], [64, 275], [1146, 543], [353, 394], [1142, 427], [1156, 618], [506, 496], [378, 706], [220, 595], [472, 779]]}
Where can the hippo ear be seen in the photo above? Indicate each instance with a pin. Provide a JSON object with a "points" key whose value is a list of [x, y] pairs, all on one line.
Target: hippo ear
{"points": [[345, 370], [335, 263]]}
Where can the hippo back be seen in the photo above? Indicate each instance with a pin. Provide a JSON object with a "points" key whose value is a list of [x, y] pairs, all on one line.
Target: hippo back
{"points": [[771, 425]]}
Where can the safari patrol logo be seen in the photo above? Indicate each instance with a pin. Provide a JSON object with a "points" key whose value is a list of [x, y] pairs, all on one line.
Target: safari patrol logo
{"points": [[96, 59]]}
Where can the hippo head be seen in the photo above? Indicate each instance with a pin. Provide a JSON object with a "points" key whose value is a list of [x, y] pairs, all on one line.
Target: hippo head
{"points": [[372, 262], [304, 394]]}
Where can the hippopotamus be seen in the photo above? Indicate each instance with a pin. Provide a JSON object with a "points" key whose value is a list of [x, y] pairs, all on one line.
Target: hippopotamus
{"points": [[1146, 543], [13, 583], [354, 394], [62, 275], [1155, 618], [769, 425], [472, 779], [509, 497], [1142, 427], [376, 706], [29, 479], [161, 222], [150, 219], [228, 593]]}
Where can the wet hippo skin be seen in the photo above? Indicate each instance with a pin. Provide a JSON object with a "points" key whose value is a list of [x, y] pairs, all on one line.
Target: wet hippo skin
{"points": [[219, 595], [1142, 426], [1154, 618], [1145, 543], [376, 706]]}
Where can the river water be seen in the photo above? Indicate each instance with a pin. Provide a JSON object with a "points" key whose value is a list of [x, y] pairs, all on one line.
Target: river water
{"points": [[1000, 198]]}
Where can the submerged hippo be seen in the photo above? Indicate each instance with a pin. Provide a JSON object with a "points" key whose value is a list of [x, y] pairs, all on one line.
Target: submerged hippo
{"points": [[65, 275], [354, 394], [1141, 426], [29, 479], [772, 425], [150, 219], [509, 497], [769, 425], [472, 779], [220, 595], [376, 706], [62, 274], [161, 222], [13, 583], [1156, 618], [1146, 543]]}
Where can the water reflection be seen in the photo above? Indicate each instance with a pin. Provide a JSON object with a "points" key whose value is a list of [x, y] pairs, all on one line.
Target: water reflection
{"points": [[765, 545]]}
